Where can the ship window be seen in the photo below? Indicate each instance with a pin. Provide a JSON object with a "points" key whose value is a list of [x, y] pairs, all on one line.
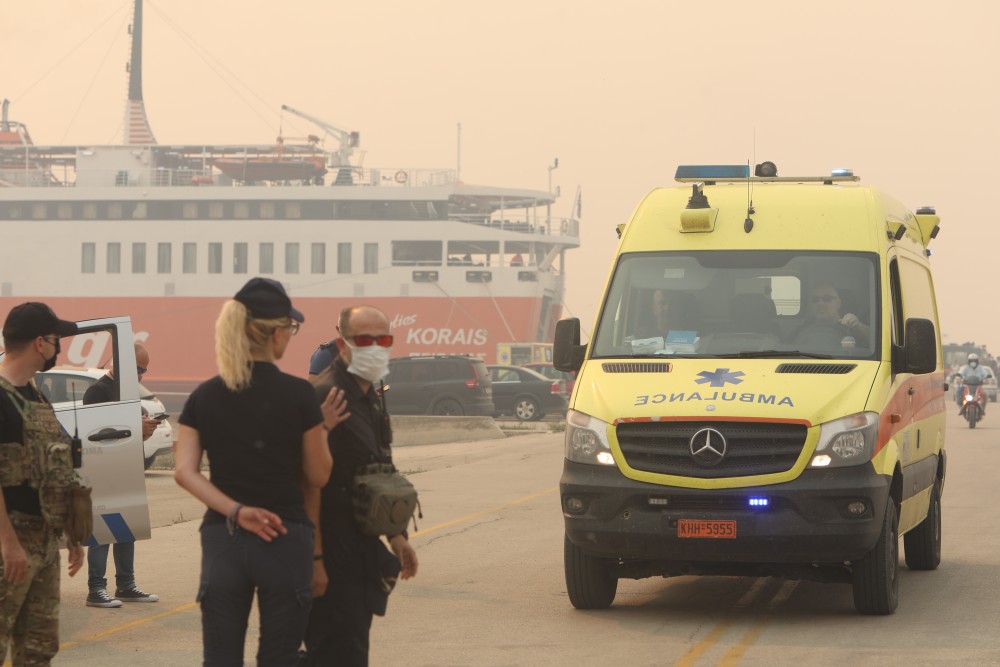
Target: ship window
{"points": [[241, 209], [291, 258], [114, 259], [343, 258], [64, 211], [416, 253], [371, 258], [189, 211], [216, 210], [13, 211], [140, 210], [215, 258], [472, 253], [38, 211], [138, 258], [89, 211], [293, 210], [114, 210], [266, 209], [240, 259], [267, 258], [318, 257], [88, 260], [190, 258], [163, 257]]}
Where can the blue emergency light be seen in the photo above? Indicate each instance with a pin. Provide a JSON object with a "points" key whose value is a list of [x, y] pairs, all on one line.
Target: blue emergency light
{"points": [[755, 501]]}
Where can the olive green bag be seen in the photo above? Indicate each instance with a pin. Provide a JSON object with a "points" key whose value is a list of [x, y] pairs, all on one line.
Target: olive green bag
{"points": [[384, 501]]}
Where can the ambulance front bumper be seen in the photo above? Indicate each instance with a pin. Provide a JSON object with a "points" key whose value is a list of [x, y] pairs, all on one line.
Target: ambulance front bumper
{"points": [[824, 517]]}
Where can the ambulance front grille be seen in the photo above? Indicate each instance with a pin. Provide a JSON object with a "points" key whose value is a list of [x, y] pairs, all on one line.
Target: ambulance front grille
{"points": [[752, 448]]}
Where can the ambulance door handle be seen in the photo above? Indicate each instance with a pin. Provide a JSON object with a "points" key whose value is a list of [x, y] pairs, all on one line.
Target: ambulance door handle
{"points": [[110, 434], [911, 391]]}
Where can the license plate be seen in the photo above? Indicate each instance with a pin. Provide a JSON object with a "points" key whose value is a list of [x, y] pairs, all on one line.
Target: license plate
{"points": [[706, 529]]}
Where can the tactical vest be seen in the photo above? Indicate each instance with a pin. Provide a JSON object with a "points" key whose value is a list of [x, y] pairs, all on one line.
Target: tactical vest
{"points": [[43, 460]]}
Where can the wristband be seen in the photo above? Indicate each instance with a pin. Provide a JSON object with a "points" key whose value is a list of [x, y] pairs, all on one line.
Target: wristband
{"points": [[232, 521]]}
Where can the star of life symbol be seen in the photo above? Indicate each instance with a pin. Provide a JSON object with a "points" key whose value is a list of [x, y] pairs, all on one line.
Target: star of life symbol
{"points": [[720, 377], [707, 446]]}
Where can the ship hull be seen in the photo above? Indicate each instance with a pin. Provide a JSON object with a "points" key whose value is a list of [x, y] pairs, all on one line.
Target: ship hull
{"points": [[180, 331]]}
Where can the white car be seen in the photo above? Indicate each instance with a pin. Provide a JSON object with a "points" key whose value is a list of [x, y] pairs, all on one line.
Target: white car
{"points": [[64, 385]]}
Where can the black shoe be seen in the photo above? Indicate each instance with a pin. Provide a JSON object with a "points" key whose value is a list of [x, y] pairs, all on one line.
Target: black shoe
{"points": [[100, 598], [133, 594]]}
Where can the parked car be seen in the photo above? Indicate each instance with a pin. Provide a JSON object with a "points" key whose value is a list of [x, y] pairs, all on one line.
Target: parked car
{"points": [[548, 370], [439, 385], [63, 386], [526, 394]]}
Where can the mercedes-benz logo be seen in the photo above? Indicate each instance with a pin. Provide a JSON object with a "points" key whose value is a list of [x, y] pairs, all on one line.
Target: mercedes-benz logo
{"points": [[708, 447]]}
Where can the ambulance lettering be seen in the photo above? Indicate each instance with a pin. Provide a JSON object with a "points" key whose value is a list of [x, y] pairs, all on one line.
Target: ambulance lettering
{"points": [[719, 378]]}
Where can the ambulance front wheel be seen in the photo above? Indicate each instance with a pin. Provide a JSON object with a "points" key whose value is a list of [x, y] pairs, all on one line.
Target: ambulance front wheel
{"points": [[876, 575], [589, 580]]}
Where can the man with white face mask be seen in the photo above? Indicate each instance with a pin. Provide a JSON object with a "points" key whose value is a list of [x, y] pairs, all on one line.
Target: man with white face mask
{"points": [[361, 570]]}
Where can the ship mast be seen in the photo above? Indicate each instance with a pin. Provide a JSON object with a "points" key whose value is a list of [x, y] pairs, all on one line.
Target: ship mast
{"points": [[137, 130]]}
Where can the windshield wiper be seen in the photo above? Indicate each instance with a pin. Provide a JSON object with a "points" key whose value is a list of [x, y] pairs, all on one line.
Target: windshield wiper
{"points": [[773, 354]]}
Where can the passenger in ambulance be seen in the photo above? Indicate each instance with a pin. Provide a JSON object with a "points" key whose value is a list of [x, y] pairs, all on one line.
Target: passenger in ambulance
{"points": [[671, 311], [830, 319]]}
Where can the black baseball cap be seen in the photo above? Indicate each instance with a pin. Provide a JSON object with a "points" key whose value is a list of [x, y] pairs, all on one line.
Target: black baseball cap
{"points": [[33, 319], [266, 299]]}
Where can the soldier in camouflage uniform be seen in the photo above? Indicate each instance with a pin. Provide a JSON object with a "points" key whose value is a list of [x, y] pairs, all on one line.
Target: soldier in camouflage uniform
{"points": [[35, 475]]}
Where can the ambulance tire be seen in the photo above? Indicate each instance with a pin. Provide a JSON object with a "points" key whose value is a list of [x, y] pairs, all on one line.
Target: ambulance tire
{"points": [[876, 575], [922, 545], [589, 581]]}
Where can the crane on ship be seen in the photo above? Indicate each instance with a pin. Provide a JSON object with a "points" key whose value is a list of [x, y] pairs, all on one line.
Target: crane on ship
{"points": [[348, 140]]}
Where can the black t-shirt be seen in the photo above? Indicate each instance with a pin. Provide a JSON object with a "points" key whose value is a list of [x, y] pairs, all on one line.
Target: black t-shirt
{"points": [[105, 390], [365, 437], [21, 498], [254, 438]]}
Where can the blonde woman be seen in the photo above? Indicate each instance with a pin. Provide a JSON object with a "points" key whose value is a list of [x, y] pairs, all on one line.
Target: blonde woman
{"points": [[265, 435]]}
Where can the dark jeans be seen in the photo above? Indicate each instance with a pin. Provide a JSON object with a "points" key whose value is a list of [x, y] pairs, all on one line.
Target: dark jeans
{"points": [[232, 568], [97, 566]]}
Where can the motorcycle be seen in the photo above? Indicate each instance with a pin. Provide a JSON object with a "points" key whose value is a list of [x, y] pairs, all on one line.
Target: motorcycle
{"points": [[973, 400]]}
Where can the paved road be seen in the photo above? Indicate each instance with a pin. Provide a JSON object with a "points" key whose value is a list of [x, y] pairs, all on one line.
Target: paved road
{"points": [[490, 590]]}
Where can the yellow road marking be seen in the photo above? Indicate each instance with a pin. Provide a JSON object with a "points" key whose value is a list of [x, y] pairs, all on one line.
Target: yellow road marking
{"points": [[131, 624], [689, 658], [750, 637], [470, 517]]}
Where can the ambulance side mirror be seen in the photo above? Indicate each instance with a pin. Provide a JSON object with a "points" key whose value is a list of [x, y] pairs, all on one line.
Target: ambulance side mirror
{"points": [[567, 353], [920, 347]]}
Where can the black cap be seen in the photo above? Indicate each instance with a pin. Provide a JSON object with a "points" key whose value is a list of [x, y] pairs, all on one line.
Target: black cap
{"points": [[33, 319], [266, 299]]}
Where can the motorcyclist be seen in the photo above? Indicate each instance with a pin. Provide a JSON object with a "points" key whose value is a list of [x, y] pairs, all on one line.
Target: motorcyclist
{"points": [[970, 369]]}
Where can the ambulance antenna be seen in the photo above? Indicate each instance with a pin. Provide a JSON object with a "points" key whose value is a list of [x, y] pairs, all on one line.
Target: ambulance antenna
{"points": [[748, 223]]}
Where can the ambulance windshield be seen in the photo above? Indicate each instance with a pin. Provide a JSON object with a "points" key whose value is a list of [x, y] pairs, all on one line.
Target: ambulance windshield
{"points": [[784, 304]]}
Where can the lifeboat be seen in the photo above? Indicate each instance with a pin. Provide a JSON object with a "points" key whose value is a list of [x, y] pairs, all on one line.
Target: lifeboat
{"points": [[276, 167]]}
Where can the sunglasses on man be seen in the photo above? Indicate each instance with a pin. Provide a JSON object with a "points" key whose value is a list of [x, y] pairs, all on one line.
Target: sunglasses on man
{"points": [[825, 298], [367, 340]]}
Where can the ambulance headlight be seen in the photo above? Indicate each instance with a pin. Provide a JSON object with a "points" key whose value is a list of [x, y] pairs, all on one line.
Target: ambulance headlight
{"points": [[848, 441], [587, 439]]}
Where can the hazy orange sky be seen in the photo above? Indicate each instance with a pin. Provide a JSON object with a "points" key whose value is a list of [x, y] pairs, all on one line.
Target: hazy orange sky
{"points": [[905, 92]]}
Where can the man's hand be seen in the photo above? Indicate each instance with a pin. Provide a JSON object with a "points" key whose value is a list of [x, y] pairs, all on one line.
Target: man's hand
{"points": [[406, 555], [334, 408], [148, 426], [15, 561], [75, 559], [850, 320]]}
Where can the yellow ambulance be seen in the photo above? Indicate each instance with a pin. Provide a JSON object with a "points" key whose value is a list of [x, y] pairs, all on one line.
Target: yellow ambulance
{"points": [[763, 391]]}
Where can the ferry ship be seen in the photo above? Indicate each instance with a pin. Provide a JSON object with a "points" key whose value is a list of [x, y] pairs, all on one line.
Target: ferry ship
{"points": [[166, 233]]}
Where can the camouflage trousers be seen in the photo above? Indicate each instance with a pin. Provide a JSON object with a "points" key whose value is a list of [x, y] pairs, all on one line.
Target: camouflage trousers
{"points": [[29, 611]]}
